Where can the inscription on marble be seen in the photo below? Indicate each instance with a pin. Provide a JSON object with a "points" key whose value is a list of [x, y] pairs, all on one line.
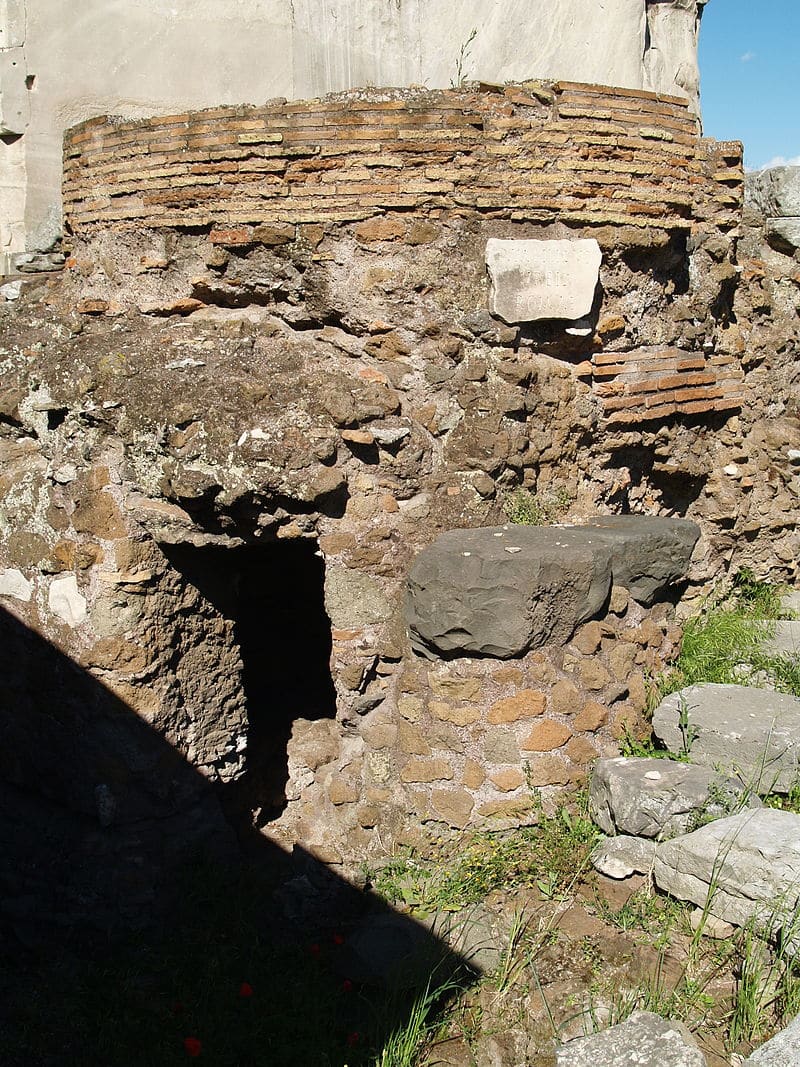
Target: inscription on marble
{"points": [[534, 280]]}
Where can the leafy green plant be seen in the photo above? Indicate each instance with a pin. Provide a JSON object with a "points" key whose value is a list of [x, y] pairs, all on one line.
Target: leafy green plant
{"points": [[552, 851], [407, 1042], [688, 730], [524, 508], [723, 642], [786, 802]]}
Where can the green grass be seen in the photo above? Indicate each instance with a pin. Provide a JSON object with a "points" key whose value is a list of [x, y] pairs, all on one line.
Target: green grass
{"points": [[545, 857], [723, 643], [654, 914], [524, 508]]}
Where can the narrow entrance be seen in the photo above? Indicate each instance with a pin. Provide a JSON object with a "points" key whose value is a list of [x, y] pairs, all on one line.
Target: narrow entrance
{"points": [[274, 594]]}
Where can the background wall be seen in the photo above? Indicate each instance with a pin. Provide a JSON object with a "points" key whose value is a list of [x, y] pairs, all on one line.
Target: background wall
{"points": [[157, 56]]}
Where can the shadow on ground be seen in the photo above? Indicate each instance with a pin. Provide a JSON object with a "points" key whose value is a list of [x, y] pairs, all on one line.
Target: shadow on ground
{"points": [[137, 926]]}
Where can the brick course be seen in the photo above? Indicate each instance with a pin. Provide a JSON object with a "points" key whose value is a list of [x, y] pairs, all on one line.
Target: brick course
{"points": [[503, 153], [585, 155]]}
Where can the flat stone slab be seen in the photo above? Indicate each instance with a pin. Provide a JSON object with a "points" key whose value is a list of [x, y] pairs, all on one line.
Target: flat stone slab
{"points": [[782, 1050], [785, 641], [499, 591], [643, 1040], [533, 280], [752, 859], [752, 734], [659, 797]]}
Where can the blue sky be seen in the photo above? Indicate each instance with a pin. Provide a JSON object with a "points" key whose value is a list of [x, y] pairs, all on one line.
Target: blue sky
{"points": [[750, 67]]}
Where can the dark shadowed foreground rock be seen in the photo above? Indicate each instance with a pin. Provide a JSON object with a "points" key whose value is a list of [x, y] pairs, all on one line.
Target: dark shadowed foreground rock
{"points": [[659, 797], [643, 1040], [502, 590], [751, 861], [752, 733], [783, 1050]]}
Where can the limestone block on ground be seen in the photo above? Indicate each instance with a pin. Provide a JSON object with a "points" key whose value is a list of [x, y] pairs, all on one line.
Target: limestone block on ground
{"points": [[782, 1050], [643, 1040], [751, 733], [752, 859], [622, 856], [499, 591], [659, 797], [533, 280], [785, 641]]}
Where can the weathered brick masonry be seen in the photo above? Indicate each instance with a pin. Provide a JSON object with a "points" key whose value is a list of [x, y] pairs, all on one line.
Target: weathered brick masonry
{"points": [[587, 156]]}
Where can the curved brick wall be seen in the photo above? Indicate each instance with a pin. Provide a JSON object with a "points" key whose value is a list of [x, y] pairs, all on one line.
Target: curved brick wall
{"points": [[534, 152]]}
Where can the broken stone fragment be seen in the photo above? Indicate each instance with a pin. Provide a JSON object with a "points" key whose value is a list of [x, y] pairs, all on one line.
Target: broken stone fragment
{"points": [[744, 867], [65, 601], [644, 1039], [13, 583], [782, 1050], [534, 280], [660, 797], [620, 857]]}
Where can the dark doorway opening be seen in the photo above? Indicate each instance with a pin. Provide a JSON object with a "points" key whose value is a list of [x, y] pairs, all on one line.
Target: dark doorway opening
{"points": [[274, 595]]}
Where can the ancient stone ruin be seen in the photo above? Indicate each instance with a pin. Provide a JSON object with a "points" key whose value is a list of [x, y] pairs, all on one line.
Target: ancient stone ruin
{"points": [[261, 436]]}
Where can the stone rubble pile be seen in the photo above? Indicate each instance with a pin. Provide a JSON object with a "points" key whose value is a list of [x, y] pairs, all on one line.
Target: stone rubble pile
{"points": [[695, 822]]}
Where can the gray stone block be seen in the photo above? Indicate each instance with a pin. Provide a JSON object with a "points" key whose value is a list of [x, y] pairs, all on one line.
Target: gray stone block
{"points": [[533, 280], [622, 856], [752, 734], [499, 591], [774, 192], [749, 863], [643, 1040], [785, 641], [647, 553], [784, 234], [782, 1050], [659, 797]]}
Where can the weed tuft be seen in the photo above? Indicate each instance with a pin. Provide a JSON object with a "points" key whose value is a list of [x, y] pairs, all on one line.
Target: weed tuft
{"points": [[524, 508]]}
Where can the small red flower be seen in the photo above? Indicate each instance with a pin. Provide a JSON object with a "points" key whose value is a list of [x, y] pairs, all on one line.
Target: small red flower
{"points": [[245, 990], [177, 1008], [314, 949], [338, 939], [193, 1046], [347, 985], [353, 1038]]}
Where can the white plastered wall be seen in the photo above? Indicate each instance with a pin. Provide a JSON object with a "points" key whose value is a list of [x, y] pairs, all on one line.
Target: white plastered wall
{"points": [[136, 58]]}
